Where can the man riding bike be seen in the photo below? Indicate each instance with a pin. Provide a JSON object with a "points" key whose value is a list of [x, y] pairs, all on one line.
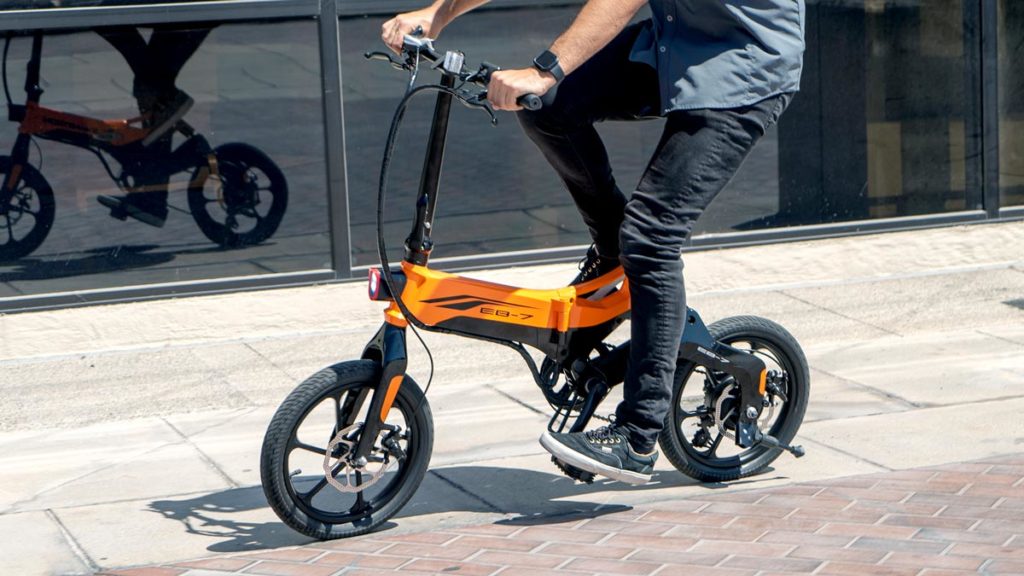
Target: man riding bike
{"points": [[721, 72]]}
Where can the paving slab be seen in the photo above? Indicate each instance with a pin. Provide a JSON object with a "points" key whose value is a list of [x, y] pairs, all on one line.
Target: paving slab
{"points": [[34, 544], [185, 470], [938, 302], [110, 387], [927, 436], [252, 375], [54, 458], [927, 369], [836, 397]]}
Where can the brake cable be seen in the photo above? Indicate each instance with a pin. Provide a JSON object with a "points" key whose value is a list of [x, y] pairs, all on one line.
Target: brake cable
{"points": [[414, 322]]}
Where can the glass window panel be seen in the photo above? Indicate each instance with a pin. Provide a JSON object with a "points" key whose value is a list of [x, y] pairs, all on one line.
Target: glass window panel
{"points": [[1011, 103], [36, 4], [257, 205], [498, 194], [877, 131]]}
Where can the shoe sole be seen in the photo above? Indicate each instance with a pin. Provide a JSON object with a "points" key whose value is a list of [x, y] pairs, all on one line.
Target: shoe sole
{"points": [[574, 458], [131, 211]]}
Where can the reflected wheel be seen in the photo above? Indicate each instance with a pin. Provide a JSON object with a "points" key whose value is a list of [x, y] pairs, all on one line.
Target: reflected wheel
{"points": [[26, 214], [244, 202]]}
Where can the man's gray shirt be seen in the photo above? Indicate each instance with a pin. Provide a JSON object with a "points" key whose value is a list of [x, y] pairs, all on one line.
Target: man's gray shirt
{"points": [[723, 53]]}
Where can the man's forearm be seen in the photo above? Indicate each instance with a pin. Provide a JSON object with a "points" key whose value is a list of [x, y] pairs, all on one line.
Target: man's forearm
{"points": [[448, 10], [598, 22]]}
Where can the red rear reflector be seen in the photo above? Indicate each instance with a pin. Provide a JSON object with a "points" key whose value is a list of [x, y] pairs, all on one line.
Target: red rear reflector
{"points": [[375, 283]]}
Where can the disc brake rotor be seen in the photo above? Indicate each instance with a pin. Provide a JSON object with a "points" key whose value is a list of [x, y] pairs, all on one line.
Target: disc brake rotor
{"points": [[351, 478], [722, 421]]}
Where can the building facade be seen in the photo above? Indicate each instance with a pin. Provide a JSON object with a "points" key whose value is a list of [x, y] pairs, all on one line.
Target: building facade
{"points": [[911, 113]]}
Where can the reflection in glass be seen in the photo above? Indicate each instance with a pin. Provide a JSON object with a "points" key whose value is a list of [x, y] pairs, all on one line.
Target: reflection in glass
{"points": [[202, 166], [497, 192], [878, 130], [39, 4], [1011, 103]]}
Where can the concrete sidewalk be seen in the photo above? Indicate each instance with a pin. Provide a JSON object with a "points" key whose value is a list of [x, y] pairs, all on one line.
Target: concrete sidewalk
{"points": [[129, 434]]}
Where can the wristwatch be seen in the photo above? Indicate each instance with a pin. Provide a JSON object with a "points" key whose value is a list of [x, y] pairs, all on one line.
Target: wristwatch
{"points": [[547, 61]]}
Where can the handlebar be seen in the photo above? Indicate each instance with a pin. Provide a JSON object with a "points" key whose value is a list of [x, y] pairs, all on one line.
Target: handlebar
{"points": [[415, 47]]}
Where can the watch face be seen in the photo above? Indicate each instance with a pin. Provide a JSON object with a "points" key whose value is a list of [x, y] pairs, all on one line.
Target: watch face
{"points": [[546, 61]]}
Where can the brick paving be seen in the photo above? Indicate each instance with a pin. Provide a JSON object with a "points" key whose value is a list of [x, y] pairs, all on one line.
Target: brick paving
{"points": [[955, 519]]}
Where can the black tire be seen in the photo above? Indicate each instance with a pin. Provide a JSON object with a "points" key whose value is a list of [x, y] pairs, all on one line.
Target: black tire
{"points": [[27, 218], [245, 205], [326, 515], [716, 458]]}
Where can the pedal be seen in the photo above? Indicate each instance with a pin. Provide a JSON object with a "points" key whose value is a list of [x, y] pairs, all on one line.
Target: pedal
{"points": [[116, 206], [797, 451], [574, 472]]}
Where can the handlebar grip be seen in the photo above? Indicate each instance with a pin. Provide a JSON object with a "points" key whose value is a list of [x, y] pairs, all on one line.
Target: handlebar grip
{"points": [[533, 102], [530, 102]]}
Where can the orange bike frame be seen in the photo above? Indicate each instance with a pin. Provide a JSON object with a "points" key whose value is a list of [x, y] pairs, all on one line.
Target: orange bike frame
{"points": [[40, 121]]}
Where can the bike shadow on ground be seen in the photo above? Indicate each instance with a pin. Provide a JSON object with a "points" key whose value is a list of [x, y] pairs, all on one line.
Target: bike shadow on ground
{"points": [[239, 519]]}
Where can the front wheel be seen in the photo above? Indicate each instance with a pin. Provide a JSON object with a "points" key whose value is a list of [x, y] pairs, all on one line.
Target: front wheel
{"points": [[700, 427], [303, 465], [244, 203], [26, 213]]}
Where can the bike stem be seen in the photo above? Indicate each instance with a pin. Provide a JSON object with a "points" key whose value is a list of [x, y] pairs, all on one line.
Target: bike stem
{"points": [[32, 88], [19, 153], [418, 245]]}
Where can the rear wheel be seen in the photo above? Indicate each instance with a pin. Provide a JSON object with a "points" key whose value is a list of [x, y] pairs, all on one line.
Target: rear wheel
{"points": [[698, 437], [26, 214], [244, 204], [303, 464]]}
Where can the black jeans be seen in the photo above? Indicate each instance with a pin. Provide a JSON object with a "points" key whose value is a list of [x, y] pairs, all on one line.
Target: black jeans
{"points": [[156, 65], [699, 152]]}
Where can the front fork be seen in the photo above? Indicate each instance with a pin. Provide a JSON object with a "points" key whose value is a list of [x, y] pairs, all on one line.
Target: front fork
{"points": [[19, 157], [387, 347]]}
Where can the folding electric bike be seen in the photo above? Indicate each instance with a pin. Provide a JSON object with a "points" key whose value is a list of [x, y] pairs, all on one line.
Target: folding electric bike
{"points": [[236, 194], [350, 445]]}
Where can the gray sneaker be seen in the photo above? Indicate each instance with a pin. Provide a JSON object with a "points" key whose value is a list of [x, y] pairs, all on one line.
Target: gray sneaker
{"points": [[605, 451]]}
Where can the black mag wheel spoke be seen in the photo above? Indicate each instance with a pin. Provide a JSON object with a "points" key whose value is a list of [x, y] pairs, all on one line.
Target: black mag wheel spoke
{"points": [[714, 445], [309, 447], [682, 414], [360, 504], [307, 497]]}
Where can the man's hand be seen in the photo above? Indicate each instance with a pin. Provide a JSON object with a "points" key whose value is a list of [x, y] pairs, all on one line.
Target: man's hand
{"points": [[394, 31], [508, 85]]}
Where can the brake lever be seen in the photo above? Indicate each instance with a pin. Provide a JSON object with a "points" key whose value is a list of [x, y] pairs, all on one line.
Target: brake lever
{"points": [[385, 57], [479, 100]]}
